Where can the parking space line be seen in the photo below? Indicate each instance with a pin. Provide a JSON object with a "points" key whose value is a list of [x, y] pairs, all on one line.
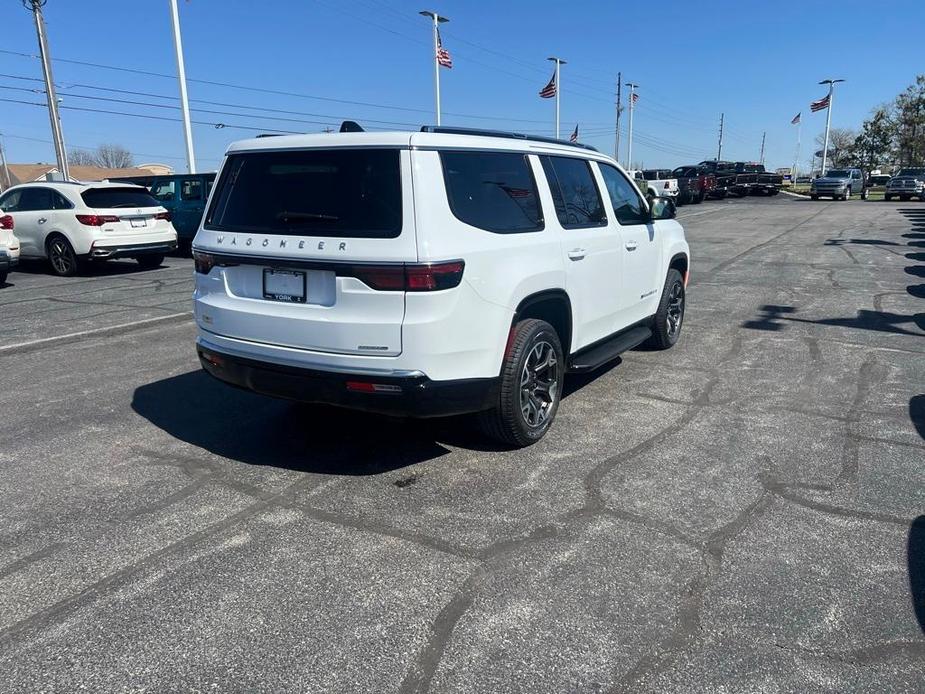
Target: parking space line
{"points": [[32, 345]]}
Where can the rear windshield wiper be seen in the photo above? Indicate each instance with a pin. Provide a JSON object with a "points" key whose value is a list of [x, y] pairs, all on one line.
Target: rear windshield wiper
{"points": [[306, 216]]}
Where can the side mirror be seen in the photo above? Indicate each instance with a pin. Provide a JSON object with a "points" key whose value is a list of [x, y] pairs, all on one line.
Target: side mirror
{"points": [[662, 208]]}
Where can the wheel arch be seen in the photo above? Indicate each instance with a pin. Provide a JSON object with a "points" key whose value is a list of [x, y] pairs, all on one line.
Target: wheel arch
{"points": [[551, 305], [681, 263]]}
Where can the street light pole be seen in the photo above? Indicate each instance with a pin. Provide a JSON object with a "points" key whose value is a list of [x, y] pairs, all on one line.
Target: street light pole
{"points": [[181, 77], [437, 20], [558, 62], [629, 135], [54, 116], [616, 138], [828, 120]]}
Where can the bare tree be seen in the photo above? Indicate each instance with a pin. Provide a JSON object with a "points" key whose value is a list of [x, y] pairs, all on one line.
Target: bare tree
{"points": [[111, 156], [81, 157], [840, 142], [106, 156]]}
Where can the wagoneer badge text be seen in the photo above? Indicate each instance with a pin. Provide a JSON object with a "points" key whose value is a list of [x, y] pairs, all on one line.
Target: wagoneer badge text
{"points": [[283, 243]]}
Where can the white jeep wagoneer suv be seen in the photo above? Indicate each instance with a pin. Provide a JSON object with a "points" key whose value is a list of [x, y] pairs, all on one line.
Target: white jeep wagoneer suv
{"points": [[431, 273]]}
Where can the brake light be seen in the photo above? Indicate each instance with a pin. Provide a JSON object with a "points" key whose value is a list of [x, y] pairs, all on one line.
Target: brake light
{"points": [[6, 222], [410, 278], [365, 387], [163, 215], [96, 220], [203, 262]]}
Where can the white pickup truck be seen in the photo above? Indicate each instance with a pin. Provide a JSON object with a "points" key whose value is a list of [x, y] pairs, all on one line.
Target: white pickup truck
{"points": [[656, 182]]}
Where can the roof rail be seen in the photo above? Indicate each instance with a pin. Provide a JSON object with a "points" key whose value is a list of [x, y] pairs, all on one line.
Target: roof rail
{"points": [[501, 133]]}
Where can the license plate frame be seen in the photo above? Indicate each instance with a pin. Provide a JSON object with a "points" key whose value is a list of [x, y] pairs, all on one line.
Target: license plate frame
{"points": [[283, 285], [138, 222]]}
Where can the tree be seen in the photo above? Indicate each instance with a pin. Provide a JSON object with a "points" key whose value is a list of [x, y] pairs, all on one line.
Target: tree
{"points": [[840, 142], [114, 157], [107, 156], [909, 116], [874, 146]]}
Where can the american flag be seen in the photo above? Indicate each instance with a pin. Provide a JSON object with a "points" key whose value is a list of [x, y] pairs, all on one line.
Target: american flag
{"points": [[443, 55], [549, 90], [574, 136], [820, 105], [796, 118], [635, 97]]}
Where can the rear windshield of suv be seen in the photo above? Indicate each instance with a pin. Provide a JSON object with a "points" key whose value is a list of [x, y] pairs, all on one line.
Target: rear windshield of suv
{"points": [[350, 193], [911, 172], [111, 198]]}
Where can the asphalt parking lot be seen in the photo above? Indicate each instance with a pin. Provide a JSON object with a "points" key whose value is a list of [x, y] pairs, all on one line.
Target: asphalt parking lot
{"points": [[743, 513]]}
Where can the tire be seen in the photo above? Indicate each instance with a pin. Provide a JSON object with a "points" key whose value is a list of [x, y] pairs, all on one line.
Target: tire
{"points": [[904, 198], [149, 262], [517, 420], [865, 194], [887, 197], [666, 325], [846, 195], [814, 197], [3, 277], [61, 256], [700, 198]]}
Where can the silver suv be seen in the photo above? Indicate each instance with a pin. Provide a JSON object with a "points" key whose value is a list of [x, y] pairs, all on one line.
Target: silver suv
{"points": [[908, 183], [839, 184]]}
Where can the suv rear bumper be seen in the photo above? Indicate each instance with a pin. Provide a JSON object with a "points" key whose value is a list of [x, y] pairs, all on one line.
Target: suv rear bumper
{"points": [[130, 250], [403, 396]]}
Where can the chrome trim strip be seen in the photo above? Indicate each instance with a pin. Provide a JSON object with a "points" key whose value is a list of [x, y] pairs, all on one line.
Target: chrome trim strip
{"points": [[298, 363]]}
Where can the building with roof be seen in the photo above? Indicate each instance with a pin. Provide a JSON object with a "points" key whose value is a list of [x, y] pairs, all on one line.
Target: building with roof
{"points": [[26, 173]]}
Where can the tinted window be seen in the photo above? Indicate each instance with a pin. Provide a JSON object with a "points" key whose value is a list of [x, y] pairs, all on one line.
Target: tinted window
{"points": [[164, 191], [35, 199], [627, 207], [494, 191], [10, 201], [911, 172], [60, 202], [111, 198], [577, 199], [191, 190], [337, 192]]}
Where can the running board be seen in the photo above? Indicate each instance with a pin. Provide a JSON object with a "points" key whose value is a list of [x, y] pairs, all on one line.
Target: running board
{"points": [[607, 351]]}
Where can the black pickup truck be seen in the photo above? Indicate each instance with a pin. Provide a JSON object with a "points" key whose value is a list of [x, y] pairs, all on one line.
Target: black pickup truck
{"points": [[752, 178], [724, 172]]}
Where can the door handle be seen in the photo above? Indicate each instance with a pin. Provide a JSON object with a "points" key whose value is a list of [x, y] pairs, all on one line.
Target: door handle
{"points": [[631, 245], [42, 220], [576, 254]]}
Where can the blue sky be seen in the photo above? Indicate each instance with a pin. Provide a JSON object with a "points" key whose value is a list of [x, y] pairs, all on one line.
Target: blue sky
{"points": [[756, 62]]}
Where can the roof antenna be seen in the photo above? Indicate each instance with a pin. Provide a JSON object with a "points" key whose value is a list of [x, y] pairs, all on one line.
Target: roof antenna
{"points": [[349, 126]]}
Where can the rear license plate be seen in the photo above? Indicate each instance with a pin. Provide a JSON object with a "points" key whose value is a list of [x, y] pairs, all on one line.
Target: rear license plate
{"points": [[138, 223], [284, 285]]}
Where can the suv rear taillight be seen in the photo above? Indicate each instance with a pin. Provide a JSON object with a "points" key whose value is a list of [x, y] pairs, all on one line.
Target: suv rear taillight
{"points": [[203, 262], [163, 215], [6, 222], [96, 220], [428, 277]]}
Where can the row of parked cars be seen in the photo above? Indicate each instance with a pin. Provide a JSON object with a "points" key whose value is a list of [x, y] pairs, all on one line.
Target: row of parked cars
{"points": [[70, 224], [694, 183], [842, 184]]}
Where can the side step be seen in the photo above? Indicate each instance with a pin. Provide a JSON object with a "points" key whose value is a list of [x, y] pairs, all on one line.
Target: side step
{"points": [[607, 351]]}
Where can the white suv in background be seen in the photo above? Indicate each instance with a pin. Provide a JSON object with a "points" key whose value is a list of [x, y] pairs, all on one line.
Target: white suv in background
{"points": [[9, 246], [431, 273], [68, 223]]}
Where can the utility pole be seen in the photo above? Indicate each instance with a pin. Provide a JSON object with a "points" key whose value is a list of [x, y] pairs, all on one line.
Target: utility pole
{"points": [[629, 136], [828, 120], [761, 156], [36, 7], [719, 152], [437, 20], [559, 62], [6, 170], [181, 77], [616, 137]]}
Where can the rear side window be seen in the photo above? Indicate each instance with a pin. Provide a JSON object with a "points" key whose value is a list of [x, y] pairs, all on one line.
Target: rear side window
{"points": [[349, 193], [577, 199], [164, 190], [191, 189], [494, 191], [111, 198]]}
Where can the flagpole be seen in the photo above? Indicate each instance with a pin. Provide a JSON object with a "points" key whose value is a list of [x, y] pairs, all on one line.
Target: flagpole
{"points": [[796, 158], [616, 137], [828, 121], [629, 138], [558, 62], [437, 20]]}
